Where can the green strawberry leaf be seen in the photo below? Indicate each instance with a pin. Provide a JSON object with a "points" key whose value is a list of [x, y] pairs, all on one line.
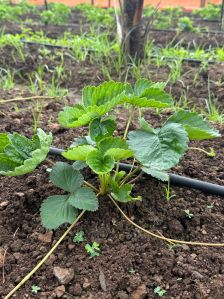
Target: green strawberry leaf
{"points": [[101, 94], [4, 140], [112, 142], [119, 153], [122, 193], [196, 127], [23, 155], [100, 163], [101, 128], [79, 165], [78, 153], [143, 84], [56, 210], [84, 199], [66, 177], [161, 149]]}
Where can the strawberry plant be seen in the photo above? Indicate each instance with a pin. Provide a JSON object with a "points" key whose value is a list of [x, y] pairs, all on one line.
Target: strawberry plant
{"points": [[154, 150], [151, 150]]}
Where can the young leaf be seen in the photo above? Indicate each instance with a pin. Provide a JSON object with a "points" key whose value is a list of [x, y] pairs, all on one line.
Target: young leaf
{"points": [[84, 199], [66, 177], [4, 140], [196, 127], [70, 115], [101, 128], [118, 176], [159, 150], [21, 144], [153, 97], [112, 142], [143, 84], [101, 94], [78, 153], [100, 163], [122, 193], [22, 155], [6, 164], [146, 126], [115, 147], [119, 153], [56, 210]]}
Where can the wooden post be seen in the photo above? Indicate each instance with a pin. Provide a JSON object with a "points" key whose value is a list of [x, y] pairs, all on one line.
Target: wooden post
{"points": [[133, 43], [46, 4], [202, 3], [92, 2], [109, 3]]}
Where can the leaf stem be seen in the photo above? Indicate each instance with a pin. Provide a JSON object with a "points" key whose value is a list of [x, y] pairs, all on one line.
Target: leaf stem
{"points": [[126, 131], [161, 237], [130, 174], [45, 257], [91, 186], [136, 178], [129, 122], [210, 154]]}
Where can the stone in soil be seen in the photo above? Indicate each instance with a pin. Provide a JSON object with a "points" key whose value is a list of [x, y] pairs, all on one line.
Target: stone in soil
{"points": [[64, 275]]}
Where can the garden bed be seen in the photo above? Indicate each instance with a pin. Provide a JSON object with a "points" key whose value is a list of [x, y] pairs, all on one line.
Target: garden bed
{"points": [[131, 265]]}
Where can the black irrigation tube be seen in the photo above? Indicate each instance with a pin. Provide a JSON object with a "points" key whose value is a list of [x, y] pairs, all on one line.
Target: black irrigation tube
{"points": [[175, 179], [191, 60]]}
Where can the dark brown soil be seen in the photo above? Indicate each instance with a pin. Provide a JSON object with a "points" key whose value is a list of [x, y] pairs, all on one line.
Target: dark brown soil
{"points": [[184, 271], [192, 84], [186, 39]]}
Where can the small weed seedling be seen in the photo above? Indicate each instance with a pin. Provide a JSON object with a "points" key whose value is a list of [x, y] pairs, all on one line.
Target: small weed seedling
{"points": [[159, 291], [93, 250], [35, 289], [131, 270], [188, 214], [79, 237], [169, 196], [210, 206], [172, 246]]}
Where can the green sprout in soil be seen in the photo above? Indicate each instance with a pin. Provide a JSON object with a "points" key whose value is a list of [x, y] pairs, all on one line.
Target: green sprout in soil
{"points": [[210, 206], [35, 289], [150, 150], [132, 270], [159, 291], [188, 214], [168, 191], [79, 237], [93, 249]]}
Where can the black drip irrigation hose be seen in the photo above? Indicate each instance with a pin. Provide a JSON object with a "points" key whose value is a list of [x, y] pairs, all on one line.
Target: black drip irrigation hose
{"points": [[191, 60], [175, 179]]}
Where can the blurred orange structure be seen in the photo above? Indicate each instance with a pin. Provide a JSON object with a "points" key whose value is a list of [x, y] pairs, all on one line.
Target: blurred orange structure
{"points": [[187, 4]]}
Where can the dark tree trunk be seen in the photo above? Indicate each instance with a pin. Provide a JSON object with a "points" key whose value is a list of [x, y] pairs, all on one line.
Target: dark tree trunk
{"points": [[46, 4], [222, 16], [133, 43], [202, 3]]}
